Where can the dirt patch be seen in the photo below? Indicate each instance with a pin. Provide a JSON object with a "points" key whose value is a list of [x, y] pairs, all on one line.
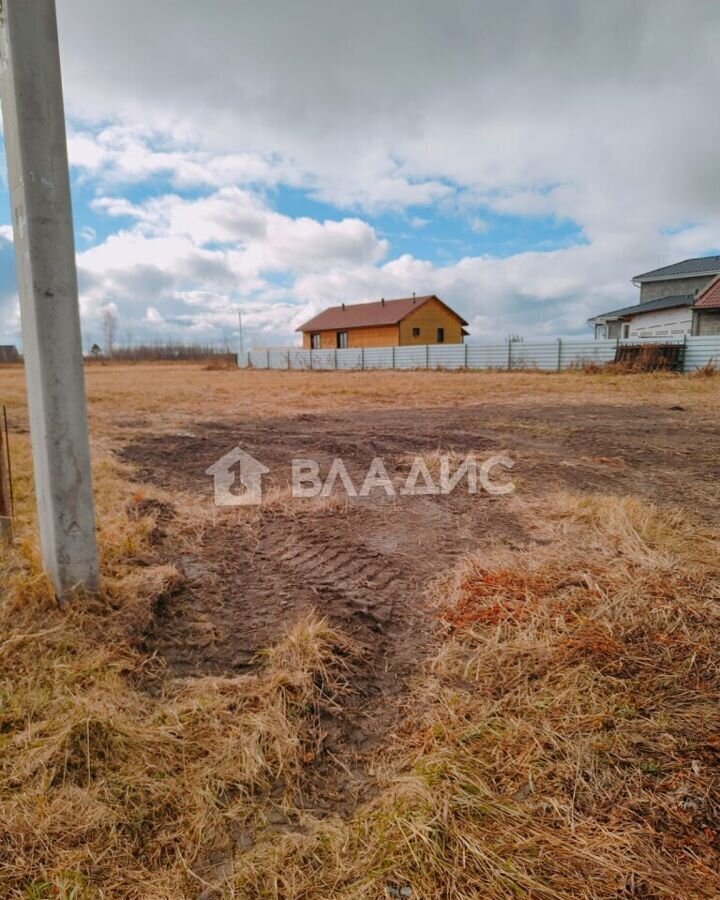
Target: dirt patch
{"points": [[368, 565], [671, 454]]}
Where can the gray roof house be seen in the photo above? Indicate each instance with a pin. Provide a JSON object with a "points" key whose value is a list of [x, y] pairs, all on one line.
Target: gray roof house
{"points": [[665, 307]]}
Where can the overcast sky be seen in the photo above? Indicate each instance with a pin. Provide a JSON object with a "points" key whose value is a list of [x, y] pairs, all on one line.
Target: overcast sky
{"points": [[522, 160]]}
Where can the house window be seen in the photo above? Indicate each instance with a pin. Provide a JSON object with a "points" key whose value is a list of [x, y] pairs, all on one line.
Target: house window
{"points": [[613, 330], [441, 336], [315, 341], [626, 330], [600, 332], [342, 340], [416, 332]]}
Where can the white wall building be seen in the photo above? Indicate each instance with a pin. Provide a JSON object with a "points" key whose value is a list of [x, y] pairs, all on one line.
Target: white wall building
{"points": [[665, 309]]}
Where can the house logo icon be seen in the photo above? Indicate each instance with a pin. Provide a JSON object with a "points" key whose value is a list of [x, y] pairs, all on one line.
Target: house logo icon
{"points": [[235, 467]]}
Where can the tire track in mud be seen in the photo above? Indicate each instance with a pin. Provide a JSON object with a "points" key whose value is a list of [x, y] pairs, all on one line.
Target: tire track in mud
{"points": [[367, 568], [251, 586], [289, 567]]}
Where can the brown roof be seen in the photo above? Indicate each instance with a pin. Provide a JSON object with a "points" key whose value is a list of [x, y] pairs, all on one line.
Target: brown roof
{"points": [[366, 315], [710, 297]]}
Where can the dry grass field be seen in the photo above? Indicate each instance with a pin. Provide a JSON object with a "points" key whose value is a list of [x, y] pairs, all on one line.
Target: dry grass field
{"points": [[427, 697]]}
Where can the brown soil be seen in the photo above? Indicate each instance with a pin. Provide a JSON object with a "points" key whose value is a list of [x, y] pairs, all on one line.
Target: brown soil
{"points": [[368, 565]]}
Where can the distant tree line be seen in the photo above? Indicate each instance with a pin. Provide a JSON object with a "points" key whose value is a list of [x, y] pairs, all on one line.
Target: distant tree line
{"points": [[9, 354], [146, 351], [168, 350]]}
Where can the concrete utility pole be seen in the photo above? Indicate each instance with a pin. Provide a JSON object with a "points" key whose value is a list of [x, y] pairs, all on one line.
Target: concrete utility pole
{"points": [[35, 141]]}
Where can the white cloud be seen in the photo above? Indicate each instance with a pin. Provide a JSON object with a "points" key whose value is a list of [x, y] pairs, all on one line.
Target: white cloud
{"points": [[394, 104], [153, 316], [185, 264], [596, 113], [544, 294], [125, 154], [478, 225], [262, 240]]}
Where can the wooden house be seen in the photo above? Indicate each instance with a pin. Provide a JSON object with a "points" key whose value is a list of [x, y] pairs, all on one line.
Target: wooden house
{"points": [[384, 323]]}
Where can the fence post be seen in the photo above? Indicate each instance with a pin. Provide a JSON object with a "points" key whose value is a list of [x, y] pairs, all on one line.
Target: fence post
{"points": [[393, 356], [509, 354], [289, 366], [427, 356], [559, 367], [466, 356], [684, 353], [362, 359], [336, 359], [268, 358]]}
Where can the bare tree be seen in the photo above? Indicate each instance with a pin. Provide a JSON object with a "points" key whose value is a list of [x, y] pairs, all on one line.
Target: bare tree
{"points": [[109, 327]]}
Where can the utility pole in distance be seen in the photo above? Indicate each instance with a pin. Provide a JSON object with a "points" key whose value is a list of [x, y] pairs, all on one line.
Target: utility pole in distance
{"points": [[240, 332], [36, 145]]}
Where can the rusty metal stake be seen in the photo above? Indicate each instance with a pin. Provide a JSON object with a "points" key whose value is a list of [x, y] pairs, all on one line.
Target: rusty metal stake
{"points": [[6, 497]]}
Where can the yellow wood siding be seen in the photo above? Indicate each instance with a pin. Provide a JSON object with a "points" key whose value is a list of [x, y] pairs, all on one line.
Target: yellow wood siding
{"points": [[428, 318], [380, 336]]}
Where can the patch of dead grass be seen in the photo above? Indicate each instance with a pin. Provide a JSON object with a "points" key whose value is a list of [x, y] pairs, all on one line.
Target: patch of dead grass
{"points": [[130, 399], [115, 780], [561, 744]]}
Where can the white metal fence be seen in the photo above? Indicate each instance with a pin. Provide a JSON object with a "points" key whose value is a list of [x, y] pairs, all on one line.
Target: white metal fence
{"points": [[550, 356]]}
